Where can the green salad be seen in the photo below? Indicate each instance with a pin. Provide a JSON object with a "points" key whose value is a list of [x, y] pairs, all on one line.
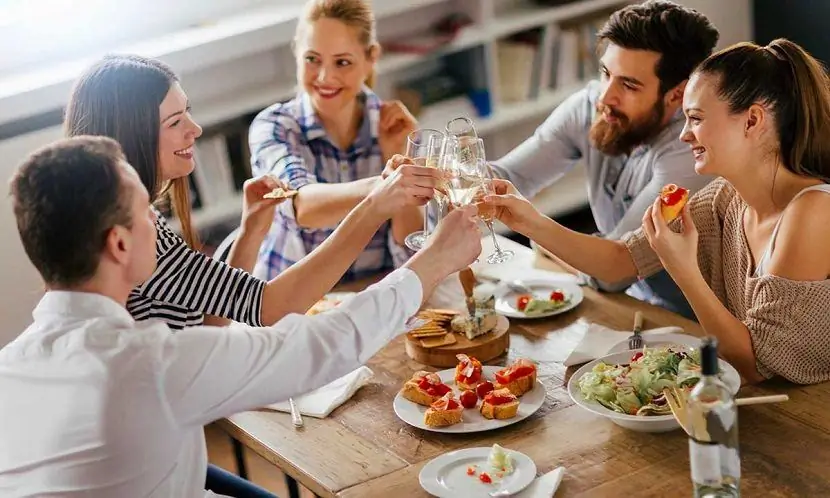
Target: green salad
{"points": [[637, 388]]}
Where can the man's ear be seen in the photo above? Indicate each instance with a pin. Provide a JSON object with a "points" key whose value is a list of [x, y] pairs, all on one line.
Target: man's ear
{"points": [[675, 95], [118, 245]]}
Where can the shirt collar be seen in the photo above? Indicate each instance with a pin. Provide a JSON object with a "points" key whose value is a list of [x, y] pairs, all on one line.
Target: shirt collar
{"points": [[82, 305], [368, 133]]}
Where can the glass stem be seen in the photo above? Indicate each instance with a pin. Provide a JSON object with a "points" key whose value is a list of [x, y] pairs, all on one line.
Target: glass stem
{"points": [[426, 220], [493, 234]]}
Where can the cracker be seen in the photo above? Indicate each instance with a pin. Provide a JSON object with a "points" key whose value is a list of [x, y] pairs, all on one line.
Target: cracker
{"points": [[279, 193], [434, 342]]}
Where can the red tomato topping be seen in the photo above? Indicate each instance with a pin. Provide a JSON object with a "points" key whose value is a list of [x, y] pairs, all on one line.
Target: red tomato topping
{"points": [[557, 295], [484, 388], [495, 399], [521, 302], [485, 478]]}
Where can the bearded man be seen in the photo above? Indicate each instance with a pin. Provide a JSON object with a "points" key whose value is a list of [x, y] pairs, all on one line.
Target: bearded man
{"points": [[625, 128]]}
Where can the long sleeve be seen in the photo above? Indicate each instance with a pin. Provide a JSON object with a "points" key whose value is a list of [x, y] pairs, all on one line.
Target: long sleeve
{"points": [[209, 372], [789, 324], [551, 151], [275, 139], [187, 280]]}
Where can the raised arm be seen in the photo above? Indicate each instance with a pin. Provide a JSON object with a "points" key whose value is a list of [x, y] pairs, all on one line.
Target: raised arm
{"points": [[209, 373], [604, 259], [278, 148], [552, 150]]}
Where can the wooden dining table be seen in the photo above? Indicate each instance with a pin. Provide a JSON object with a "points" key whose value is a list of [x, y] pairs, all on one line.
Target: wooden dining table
{"points": [[364, 450]]}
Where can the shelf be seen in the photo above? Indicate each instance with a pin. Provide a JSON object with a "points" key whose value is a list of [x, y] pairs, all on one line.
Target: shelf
{"points": [[240, 103], [469, 37], [437, 115], [529, 16]]}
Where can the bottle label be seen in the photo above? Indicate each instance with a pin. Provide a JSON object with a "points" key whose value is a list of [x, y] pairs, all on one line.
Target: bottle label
{"points": [[705, 462]]}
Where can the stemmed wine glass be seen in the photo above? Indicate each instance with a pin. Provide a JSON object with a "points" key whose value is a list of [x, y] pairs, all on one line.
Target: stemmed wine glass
{"points": [[470, 181], [424, 147]]}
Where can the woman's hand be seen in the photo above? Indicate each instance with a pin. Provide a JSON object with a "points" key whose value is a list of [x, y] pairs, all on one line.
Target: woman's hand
{"points": [[396, 123], [677, 251], [257, 211], [408, 185], [511, 208]]}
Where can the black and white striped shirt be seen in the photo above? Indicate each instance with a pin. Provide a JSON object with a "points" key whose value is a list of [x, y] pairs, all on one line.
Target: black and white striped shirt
{"points": [[188, 284]]}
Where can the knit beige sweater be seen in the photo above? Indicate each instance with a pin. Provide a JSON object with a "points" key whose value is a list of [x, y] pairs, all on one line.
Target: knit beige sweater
{"points": [[788, 321]]}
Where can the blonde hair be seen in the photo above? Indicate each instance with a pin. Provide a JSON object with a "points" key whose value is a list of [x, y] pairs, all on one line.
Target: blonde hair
{"points": [[356, 14]]}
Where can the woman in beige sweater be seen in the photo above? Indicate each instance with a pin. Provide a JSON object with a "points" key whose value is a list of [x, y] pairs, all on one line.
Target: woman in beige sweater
{"points": [[758, 118]]}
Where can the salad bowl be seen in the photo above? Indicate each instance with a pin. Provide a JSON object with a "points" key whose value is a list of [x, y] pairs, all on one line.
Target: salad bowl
{"points": [[594, 394]]}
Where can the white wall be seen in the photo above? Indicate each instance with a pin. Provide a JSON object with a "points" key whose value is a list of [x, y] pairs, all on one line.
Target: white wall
{"points": [[20, 286]]}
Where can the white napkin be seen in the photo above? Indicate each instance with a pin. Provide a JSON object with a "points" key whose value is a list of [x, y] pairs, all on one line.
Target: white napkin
{"points": [[597, 340], [322, 401], [449, 294], [543, 486]]}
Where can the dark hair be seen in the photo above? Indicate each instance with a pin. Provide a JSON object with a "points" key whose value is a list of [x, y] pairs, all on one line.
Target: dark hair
{"points": [[119, 97], [682, 36], [793, 85], [66, 197]]}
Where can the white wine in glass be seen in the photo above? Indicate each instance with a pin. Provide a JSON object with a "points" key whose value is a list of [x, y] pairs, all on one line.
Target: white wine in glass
{"points": [[424, 147]]}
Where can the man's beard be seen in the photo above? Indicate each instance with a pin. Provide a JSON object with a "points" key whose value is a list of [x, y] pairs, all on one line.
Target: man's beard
{"points": [[619, 138]]}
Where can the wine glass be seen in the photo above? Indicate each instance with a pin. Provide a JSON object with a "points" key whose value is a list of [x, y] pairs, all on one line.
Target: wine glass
{"points": [[424, 147], [470, 182], [461, 127]]}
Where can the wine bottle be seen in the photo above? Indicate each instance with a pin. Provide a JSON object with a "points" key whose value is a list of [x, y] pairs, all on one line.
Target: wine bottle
{"points": [[713, 443]]}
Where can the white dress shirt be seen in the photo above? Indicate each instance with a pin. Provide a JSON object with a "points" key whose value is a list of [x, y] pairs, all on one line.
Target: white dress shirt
{"points": [[94, 404]]}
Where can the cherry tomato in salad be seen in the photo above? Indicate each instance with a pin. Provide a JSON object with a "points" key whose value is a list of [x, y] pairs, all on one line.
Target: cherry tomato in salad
{"points": [[637, 356], [469, 399], [521, 302], [557, 295], [484, 388]]}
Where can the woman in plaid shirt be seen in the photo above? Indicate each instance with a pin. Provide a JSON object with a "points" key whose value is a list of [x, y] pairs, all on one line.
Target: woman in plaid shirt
{"points": [[331, 141]]}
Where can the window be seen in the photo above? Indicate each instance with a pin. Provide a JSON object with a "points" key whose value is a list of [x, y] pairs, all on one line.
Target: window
{"points": [[34, 33]]}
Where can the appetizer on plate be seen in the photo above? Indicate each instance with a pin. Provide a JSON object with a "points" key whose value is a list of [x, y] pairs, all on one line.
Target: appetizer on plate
{"points": [[518, 378], [672, 200], [532, 305], [467, 372], [424, 388], [484, 319], [499, 404], [499, 466], [443, 412]]}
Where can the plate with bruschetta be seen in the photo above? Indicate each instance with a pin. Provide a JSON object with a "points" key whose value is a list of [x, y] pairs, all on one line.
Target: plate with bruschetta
{"points": [[470, 397]]}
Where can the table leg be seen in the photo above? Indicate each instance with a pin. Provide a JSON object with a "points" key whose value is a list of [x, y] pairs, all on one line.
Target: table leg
{"points": [[239, 456], [293, 487]]}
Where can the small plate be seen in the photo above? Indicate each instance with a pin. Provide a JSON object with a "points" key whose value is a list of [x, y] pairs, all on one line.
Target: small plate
{"points": [[472, 421], [658, 423], [506, 298], [446, 476], [658, 340]]}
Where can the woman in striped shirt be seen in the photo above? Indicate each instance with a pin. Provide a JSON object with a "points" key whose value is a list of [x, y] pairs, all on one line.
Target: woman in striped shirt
{"points": [[331, 141], [140, 103]]}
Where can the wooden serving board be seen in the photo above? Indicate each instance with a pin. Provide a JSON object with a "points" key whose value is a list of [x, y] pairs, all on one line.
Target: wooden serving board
{"points": [[483, 348]]}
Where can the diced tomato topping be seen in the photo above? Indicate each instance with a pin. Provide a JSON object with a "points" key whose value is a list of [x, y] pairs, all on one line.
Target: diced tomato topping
{"points": [[557, 295], [637, 356], [521, 302], [452, 404], [495, 399], [484, 388], [485, 478], [503, 377], [672, 194], [471, 471], [510, 374], [438, 390]]}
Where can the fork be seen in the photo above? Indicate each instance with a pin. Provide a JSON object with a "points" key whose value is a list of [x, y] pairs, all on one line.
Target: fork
{"points": [[636, 340], [514, 285]]}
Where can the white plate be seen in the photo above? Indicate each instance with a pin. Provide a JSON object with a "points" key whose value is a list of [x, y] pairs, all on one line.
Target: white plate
{"points": [[472, 421], [660, 423], [506, 298], [446, 476], [657, 340]]}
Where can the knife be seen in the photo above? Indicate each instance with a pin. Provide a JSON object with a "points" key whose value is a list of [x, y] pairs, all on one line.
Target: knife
{"points": [[468, 282]]}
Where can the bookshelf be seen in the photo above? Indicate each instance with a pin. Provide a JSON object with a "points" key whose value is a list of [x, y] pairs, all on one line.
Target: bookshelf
{"points": [[484, 57]]}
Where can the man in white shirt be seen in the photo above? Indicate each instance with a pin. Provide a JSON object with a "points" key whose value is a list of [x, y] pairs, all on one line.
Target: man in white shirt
{"points": [[95, 404]]}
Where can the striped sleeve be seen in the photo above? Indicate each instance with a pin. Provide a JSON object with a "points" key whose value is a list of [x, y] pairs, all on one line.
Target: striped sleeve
{"points": [[188, 279]]}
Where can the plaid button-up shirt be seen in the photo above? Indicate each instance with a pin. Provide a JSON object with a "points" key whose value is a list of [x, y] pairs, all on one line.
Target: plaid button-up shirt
{"points": [[288, 141]]}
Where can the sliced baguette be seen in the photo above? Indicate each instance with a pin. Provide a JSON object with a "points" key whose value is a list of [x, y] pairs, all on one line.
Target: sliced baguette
{"points": [[519, 386], [442, 418], [415, 394], [499, 412]]}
